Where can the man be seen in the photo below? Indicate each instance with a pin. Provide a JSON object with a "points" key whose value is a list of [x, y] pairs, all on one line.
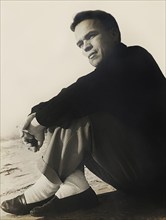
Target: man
{"points": [[111, 120]]}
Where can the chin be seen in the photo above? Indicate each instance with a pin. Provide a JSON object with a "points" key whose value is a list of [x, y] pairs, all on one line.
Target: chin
{"points": [[95, 62]]}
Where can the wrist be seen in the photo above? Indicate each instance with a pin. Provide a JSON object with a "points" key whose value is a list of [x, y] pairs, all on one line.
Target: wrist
{"points": [[35, 123]]}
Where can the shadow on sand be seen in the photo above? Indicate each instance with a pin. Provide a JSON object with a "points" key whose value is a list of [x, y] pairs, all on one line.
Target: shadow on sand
{"points": [[119, 206]]}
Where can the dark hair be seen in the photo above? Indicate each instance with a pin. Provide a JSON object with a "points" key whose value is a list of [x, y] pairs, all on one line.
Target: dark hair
{"points": [[106, 19]]}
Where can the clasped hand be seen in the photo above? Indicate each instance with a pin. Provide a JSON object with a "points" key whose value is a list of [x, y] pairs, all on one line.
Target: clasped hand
{"points": [[32, 133]]}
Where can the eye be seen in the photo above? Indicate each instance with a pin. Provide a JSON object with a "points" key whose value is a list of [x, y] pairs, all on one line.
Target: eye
{"points": [[91, 36]]}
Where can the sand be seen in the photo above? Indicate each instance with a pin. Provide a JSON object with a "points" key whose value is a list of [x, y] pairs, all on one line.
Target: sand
{"points": [[19, 171]]}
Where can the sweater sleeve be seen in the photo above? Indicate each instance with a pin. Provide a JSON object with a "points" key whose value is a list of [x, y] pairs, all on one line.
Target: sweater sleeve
{"points": [[38, 107], [71, 103]]}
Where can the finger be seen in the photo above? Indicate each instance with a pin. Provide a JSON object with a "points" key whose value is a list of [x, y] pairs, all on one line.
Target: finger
{"points": [[39, 143], [35, 149], [28, 146], [31, 149], [25, 141], [27, 138]]}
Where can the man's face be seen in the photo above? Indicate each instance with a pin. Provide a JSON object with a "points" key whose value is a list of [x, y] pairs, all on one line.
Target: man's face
{"points": [[94, 41]]}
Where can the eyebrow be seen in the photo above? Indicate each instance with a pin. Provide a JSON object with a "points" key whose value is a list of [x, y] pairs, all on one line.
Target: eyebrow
{"points": [[86, 36]]}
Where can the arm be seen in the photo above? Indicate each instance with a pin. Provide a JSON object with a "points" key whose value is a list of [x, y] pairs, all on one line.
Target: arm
{"points": [[71, 103]]}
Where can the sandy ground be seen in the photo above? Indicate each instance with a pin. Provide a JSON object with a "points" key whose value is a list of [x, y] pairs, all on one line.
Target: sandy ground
{"points": [[19, 171]]}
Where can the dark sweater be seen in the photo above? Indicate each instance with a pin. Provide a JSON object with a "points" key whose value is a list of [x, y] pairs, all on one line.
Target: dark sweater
{"points": [[128, 84]]}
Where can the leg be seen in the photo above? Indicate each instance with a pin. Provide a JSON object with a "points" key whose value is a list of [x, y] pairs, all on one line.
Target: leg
{"points": [[66, 150], [118, 156], [125, 157], [62, 158]]}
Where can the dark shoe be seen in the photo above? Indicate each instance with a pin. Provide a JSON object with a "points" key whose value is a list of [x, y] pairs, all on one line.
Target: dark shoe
{"points": [[84, 200], [18, 205]]}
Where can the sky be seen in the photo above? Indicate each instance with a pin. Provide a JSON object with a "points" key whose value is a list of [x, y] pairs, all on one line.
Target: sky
{"points": [[39, 55]]}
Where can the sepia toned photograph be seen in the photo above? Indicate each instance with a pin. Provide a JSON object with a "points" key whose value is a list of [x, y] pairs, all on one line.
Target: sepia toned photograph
{"points": [[83, 110]]}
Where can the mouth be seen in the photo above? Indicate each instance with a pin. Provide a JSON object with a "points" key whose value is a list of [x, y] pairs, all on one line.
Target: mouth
{"points": [[92, 55]]}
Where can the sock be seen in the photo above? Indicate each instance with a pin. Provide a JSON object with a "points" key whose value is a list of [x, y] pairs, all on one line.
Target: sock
{"points": [[74, 184], [41, 190]]}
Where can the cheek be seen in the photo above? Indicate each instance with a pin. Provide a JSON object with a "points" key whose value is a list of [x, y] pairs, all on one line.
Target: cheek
{"points": [[102, 44], [97, 42], [103, 47]]}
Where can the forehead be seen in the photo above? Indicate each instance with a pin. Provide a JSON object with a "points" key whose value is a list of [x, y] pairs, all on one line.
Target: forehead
{"points": [[86, 26]]}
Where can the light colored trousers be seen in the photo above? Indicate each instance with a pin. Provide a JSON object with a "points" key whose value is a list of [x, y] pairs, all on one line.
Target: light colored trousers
{"points": [[117, 154]]}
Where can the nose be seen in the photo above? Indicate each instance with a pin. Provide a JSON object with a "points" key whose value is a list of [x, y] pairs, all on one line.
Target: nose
{"points": [[87, 46]]}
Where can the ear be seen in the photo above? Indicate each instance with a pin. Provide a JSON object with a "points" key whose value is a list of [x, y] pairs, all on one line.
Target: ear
{"points": [[113, 34]]}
